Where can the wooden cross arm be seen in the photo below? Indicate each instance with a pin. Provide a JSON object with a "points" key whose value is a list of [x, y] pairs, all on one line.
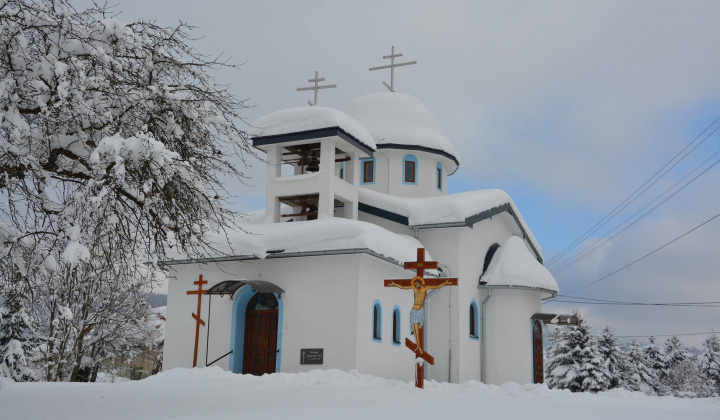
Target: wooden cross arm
{"points": [[197, 318], [436, 283], [428, 265], [398, 283], [196, 292], [424, 355]]}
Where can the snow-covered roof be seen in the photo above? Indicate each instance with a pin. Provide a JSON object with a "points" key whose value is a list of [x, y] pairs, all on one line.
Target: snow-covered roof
{"points": [[451, 208], [308, 118], [513, 265], [400, 119], [327, 235]]}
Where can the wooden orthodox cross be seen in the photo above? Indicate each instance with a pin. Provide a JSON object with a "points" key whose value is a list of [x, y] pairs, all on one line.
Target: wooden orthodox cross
{"points": [[420, 286], [198, 321], [392, 66], [317, 87]]}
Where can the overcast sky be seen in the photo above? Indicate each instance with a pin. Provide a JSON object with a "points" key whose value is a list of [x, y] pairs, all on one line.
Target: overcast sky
{"points": [[568, 106]]}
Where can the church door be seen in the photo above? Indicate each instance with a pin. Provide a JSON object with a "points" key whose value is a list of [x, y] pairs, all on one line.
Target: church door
{"points": [[261, 328], [537, 352]]}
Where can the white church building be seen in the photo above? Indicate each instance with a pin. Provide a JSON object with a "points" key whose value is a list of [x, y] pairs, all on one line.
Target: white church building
{"points": [[350, 196]]}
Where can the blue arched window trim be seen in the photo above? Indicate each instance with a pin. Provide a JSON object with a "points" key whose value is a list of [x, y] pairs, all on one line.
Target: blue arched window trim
{"points": [[438, 180], [237, 333], [377, 322], [362, 171], [341, 170], [410, 158], [397, 326], [473, 327]]}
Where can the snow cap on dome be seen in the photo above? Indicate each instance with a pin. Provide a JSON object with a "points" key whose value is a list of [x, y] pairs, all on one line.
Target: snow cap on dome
{"points": [[513, 265], [398, 118], [306, 118]]}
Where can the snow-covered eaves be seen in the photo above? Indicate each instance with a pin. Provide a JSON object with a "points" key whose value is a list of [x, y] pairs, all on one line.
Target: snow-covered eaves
{"points": [[514, 267], [331, 236], [453, 210], [305, 123], [401, 121]]}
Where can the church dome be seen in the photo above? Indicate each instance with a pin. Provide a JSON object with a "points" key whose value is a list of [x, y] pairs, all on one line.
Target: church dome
{"points": [[398, 119]]}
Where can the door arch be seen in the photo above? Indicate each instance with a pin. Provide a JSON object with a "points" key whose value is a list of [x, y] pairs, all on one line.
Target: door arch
{"points": [[237, 332], [261, 325]]}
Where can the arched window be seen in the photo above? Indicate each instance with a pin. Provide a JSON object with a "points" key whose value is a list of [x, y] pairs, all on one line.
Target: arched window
{"points": [[473, 320], [341, 170], [377, 322], [396, 326], [410, 170], [438, 172], [367, 169]]}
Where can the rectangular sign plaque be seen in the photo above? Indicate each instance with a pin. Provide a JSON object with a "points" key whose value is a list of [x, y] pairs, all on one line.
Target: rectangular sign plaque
{"points": [[311, 356]]}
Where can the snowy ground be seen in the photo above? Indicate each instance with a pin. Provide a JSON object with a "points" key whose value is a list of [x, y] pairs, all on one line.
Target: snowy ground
{"points": [[213, 393]]}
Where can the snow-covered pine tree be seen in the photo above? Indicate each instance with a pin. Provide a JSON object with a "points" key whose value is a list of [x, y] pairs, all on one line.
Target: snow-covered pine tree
{"points": [[15, 340], [681, 374], [709, 363], [675, 353], [574, 361], [637, 373], [613, 356]]}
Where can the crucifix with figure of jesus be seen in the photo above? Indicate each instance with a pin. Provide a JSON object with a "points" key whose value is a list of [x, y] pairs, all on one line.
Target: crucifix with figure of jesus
{"points": [[420, 286]]}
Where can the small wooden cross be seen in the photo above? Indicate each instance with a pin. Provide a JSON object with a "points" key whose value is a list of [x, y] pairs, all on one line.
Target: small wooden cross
{"points": [[392, 66], [420, 286], [317, 87], [198, 321]]}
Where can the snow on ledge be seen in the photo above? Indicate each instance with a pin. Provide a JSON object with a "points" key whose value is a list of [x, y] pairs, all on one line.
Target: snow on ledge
{"points": [[326, 234], [295, 120], [452, 208], [513, 265]]}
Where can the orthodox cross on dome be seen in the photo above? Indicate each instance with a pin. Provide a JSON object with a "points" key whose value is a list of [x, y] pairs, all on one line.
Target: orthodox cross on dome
{"points": [[198, 321], [317, 87], [420, 286], [392, 66]]}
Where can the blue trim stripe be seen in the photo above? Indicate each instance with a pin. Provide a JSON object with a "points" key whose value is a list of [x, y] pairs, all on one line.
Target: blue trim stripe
{"points": [[377, 305], [410, 158], [398, 329], [237, 331], [474, 335]]}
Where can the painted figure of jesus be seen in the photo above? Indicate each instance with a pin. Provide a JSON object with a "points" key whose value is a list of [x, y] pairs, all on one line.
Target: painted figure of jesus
{"points": [[417, 313]]}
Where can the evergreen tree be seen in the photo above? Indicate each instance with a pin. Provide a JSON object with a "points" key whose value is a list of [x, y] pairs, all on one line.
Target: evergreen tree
{"points": [[638, 375], [675, 354], [613, 356], [574, 361], [655, 357], [15, 342], [709, 363]]}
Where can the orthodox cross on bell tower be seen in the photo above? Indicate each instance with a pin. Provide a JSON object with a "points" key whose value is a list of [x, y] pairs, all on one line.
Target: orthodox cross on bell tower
{"points": [[317, 87], [392, 66]]}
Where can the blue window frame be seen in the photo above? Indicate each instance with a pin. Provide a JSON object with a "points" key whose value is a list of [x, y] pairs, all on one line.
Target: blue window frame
{"points": [[473, 325], [341, 170], [438, 182], [367, 171], [396, 326], [377, 322], [410, 170]]}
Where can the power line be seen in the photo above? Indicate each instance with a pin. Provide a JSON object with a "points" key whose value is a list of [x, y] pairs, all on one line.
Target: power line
{"points": [[646, 255], [640, 304], [615, 211], [664, 335], [588, 250]]}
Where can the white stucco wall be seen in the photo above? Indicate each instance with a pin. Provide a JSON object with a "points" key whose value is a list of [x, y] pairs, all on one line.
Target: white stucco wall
{"points": [[509, 335], [319, 309], [389, 173]]}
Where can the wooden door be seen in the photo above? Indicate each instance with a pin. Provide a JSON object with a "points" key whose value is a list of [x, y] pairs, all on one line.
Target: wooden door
{"points": [[261, 327], [537, 339]]}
